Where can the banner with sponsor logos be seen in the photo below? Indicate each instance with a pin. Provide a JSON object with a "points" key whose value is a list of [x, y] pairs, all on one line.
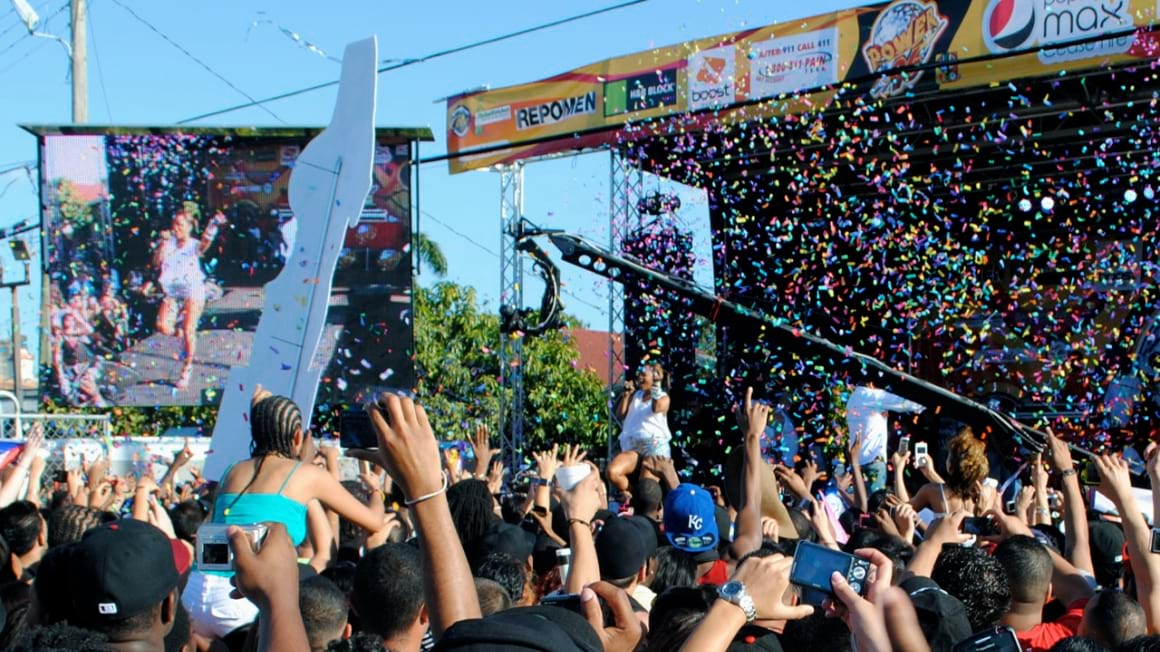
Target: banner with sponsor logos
{"points": [[728, 77]]}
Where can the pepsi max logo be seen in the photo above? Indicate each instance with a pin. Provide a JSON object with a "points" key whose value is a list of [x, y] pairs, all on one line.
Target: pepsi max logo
{"points": [[1009, 24]]}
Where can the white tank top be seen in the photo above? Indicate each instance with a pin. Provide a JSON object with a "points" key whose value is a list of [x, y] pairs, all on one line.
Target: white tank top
{"points": [[181, 264], [642, 425]]}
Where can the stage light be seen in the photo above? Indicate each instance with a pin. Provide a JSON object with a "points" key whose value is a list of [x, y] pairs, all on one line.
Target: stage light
{"points": [[1129, 195], [19, 250], [1149, 194], [1025, 205], [1047, 204]]}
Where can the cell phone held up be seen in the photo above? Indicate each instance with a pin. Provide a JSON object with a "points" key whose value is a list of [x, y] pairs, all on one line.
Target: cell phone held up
{"points": [[1089, 474], [814, 564], [921, 457]]}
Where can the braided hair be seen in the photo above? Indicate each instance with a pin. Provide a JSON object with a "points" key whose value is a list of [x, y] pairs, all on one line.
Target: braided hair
{"points": [[274, 421]]}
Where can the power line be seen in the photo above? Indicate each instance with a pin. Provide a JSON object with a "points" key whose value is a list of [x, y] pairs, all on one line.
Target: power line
{"points": [[100, 71], [189, 54], [423, 59]]}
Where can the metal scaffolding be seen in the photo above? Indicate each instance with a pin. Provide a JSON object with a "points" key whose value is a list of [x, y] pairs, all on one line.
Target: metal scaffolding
{"points": [[625, 188], [511, 284]]}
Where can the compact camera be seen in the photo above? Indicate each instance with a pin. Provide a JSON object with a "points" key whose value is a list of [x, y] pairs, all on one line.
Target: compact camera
{"points": [[213, 545], [814, 564]]}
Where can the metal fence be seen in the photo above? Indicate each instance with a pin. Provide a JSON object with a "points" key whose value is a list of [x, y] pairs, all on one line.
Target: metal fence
{"points": [[57, 428]]}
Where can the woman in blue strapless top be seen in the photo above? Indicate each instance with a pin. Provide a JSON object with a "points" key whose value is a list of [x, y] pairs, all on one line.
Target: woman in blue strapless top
{"points": [[273, 485]]}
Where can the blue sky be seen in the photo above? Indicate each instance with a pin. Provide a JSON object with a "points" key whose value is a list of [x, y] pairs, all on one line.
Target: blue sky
{"points": [[137, 78]]}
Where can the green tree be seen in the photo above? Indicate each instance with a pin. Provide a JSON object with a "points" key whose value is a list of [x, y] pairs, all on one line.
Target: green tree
{"points": [[457, 364], [430, 253]]}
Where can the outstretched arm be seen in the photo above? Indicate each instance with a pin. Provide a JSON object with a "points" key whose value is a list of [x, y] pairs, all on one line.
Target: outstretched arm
{"points": [[411, 456], [210, 233], [752, 417]]}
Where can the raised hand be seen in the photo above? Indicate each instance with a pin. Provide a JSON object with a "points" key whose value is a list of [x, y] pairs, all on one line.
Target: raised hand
{"points": [[482, 449], [1115, 479], [766, 580], [751, 417], [268, 574], [810, 473], [1058, 453], [770, 529], [583, 500], [183, 456], [495, 476], [407, 446], [573, 455], [625, 632], [865, 616], [791, 481], [905, 520], [547, 462]]}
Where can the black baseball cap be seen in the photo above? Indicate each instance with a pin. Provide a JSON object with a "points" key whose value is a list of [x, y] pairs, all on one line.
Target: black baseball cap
{"points": [[117, 570], [1107, 547], [523, 629], [511, 540], [620, 549], [942, 617]]}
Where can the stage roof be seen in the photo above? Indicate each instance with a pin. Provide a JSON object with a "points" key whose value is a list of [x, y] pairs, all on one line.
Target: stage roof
{"points": [[891, 51]]}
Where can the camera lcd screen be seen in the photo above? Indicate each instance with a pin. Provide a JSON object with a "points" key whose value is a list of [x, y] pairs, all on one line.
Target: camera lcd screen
{"points": [[215, 553], [814, 564]]}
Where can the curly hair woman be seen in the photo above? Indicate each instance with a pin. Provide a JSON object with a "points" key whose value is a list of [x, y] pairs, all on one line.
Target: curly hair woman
{"points": [[966, 470]]}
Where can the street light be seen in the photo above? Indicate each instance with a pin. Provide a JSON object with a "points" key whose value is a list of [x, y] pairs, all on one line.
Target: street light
{"points": [[21, 254]]}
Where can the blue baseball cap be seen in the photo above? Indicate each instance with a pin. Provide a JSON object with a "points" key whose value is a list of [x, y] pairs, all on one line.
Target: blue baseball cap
{"points": [[690, 519]]}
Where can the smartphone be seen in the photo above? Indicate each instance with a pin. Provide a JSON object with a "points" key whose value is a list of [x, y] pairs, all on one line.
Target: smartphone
{"points": [[1089, 474], [1156, 540], [920, 456], [980, 526], [998, 639], [904, 444], [813, 565], [569, 601]]}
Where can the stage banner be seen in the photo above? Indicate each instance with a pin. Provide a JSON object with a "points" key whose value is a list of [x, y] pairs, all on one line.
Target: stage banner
{"points": [[158, 243], [797, 67]]}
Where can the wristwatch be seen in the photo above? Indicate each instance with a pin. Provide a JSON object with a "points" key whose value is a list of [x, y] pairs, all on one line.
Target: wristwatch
{"points": [[734, 591]]}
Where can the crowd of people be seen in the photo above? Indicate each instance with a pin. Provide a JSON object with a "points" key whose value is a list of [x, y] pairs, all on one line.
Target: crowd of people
{"points": [[421, 554]]}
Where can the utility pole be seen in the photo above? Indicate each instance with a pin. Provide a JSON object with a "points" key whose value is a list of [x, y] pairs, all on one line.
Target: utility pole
{"points": [[80, 66]]}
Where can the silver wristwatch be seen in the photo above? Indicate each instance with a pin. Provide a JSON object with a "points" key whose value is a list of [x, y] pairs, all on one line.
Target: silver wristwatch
{"points": [[735, 592]]}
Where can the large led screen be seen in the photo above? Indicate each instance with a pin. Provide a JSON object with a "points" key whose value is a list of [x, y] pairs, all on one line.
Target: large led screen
{"points": [[157, 247]]}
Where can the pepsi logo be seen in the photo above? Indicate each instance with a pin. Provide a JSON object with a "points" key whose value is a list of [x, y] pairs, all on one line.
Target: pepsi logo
{"points": [[1009, 25]]}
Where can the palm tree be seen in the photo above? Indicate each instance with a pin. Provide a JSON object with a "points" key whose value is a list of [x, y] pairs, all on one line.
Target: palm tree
{"points": [[430, 255]]}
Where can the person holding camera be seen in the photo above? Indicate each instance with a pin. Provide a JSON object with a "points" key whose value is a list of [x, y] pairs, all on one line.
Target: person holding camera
{"points": [[273, 485], [643, 412]]}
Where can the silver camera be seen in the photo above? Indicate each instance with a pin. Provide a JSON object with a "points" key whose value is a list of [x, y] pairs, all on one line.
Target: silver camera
{"points": [[213, 545]]}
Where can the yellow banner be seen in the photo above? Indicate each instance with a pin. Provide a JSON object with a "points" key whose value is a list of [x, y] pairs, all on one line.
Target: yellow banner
{"points": [[883, 51]]}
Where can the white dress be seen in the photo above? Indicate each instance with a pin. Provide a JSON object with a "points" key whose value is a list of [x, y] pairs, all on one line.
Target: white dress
{"points": [[645, 431], [181, 274]]}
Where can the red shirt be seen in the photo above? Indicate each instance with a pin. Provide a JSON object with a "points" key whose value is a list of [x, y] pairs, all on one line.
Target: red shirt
{"points": [[1044, 635], [719, 574]]}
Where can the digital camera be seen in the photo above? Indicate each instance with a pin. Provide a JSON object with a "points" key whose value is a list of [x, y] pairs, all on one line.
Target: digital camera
{"points": [[213, 545]]}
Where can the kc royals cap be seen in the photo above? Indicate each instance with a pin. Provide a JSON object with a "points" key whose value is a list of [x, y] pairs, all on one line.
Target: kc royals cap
{"points": [[690, 519]]}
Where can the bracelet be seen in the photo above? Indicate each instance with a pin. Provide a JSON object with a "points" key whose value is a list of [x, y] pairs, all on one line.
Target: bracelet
{"points": [[416, 501], [1043, 510], [586, 524], [1068, 473]]}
